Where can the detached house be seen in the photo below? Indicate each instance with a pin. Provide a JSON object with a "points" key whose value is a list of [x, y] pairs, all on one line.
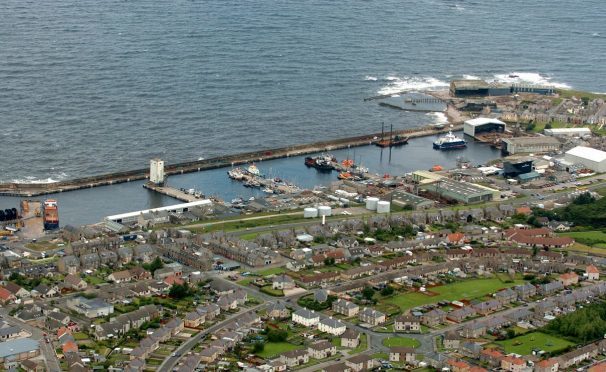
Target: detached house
{"points": [[308, 318], [408, 324], [345, 307], [371, 316]]}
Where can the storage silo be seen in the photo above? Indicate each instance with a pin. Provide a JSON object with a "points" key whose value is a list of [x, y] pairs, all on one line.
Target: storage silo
{"points": [[383, 207], [324, 210], [310, 213], [371, 203]]}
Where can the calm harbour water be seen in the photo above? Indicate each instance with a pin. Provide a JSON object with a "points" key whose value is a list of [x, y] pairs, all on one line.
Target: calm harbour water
{"points": [[93, 87]]}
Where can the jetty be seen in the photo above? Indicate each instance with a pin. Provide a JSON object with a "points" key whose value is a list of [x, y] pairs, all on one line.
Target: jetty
{"points": [[173, 192], [31, 190]]}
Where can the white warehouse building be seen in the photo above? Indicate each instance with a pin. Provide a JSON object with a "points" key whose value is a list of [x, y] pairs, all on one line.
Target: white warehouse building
{"points": [[591, 158], [568, 132], [474, 127]]}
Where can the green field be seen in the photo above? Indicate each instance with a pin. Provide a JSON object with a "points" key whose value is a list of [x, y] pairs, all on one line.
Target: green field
{"points": [[535, 340], [273, 349], [468, 289], [401, 341], [591, 238], [271, 271]]}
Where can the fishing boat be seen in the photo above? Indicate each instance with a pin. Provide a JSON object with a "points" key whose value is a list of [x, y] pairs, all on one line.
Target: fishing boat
{"points": [[321, 163], [253, 170], [344, 176], [392, 141], [449, 142], [235, 174]]}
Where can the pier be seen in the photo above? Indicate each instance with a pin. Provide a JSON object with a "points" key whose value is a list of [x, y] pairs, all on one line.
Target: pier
{"points": [[172, 192], [31, 190]]}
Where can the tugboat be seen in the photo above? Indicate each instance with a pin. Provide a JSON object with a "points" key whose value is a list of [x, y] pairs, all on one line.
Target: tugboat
{"points": [[321, 163], [253, 170], [396, 140], [449, 142]]}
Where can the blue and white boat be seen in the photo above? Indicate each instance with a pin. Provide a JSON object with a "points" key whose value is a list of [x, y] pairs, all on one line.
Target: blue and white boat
{"points": [[449, 142]]}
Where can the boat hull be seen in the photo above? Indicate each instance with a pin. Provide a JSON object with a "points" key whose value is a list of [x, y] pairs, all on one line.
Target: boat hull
{"points": [[453, 146]]}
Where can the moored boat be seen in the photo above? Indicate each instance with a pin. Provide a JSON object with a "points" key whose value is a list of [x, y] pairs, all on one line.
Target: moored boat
{"points": [[449, 142]]}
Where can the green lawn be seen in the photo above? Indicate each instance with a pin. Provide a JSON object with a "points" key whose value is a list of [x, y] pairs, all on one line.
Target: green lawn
{"points": [[271, 271], [272, 292], [468, 289], [80, 336], [273, 349], [591, 238], [535, 340], [401, 341], [93, 279]]}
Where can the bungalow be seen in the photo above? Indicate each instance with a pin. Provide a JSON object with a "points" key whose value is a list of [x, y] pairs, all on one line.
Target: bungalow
{"points": [[371, 316], [345, 307], [308, 318], [408, 324], [277, 310], [350, 338], [17, 290], [120, 276], [455, 365], [6, 296], [209, 355], [592, 273], [75, 282], [44, 291], [513, 364], [322, 349], [569, 279], [487, 307], [227, 303], [491, 357], [402, 354], [433, 318], [473, 330], [550, 365], [461, 314], [550, 288], [506, 296], [331, 326], [525, 291], [193, 319], [295, 358], [451, 340], [283, 282], [360, 362]]}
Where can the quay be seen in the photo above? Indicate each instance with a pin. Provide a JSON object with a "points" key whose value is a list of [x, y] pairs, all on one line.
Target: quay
{"points": [[32, 190], [172, 192]]}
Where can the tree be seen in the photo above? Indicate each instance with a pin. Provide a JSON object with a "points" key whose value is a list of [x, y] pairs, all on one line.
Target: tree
{"points": [[387, 290], [179, 291], [548, 126], [329, 261], [535, 250], [154, 265], [368, 293], [258, 347]]}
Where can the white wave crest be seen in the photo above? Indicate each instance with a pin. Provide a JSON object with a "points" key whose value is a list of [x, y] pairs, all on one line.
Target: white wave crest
{"points": [[533, 78], [33, 180], [471, 77], [438, 117], [397, 85], [371, 78]]}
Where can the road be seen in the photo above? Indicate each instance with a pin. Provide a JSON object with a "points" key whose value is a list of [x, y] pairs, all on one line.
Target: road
{"points": [[50, 358], [169, 363]]}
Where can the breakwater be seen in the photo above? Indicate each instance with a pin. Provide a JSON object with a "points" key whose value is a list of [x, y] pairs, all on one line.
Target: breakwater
{"points": [[31, 190]]}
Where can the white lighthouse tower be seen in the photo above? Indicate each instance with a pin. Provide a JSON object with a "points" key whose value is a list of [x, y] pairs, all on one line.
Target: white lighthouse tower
{"points": [[156, 172]]}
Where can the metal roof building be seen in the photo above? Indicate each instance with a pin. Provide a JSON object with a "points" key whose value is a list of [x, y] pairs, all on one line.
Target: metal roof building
{"points": [[464, 192], [568, 132], [591, 158], [177, 208], [540, 144], [20, 349], [473, 127]]}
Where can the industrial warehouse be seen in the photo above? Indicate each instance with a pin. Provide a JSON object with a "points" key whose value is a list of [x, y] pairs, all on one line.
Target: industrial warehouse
{"points": [[527, 145]]}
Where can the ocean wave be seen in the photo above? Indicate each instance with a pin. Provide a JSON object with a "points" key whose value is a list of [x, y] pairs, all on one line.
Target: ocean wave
{"points": [[33, 180], [371, 78], [398, 85], [438, 117], [533, 78], [471, 77]]}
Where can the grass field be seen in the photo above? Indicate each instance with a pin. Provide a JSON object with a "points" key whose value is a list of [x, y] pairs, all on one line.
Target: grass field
{"points": [[535, 340], [275, 348], [468, 289], [591, 238], [401, 341], [272, 271]]}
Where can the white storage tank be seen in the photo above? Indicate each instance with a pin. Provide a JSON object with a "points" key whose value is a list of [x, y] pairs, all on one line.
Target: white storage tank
{"points": [[310, 213], [383, 207], [371, 203], [324, 210]]}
